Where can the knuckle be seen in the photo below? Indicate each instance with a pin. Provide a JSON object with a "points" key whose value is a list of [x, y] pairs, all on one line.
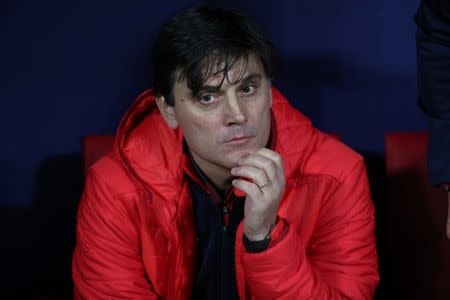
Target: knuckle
{"points": [[267, 164], [278, 160], [272, 164], [276, 156]]}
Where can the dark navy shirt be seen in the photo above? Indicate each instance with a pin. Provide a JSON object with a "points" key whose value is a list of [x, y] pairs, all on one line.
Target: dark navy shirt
{"points": [[217, 216]]}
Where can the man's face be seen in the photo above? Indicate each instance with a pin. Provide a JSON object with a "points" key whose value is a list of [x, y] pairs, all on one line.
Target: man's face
{"points": [[221, 126]]}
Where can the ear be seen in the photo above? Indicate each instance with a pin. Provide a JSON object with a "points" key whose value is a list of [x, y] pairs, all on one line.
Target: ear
{"points": [[167, 112]]}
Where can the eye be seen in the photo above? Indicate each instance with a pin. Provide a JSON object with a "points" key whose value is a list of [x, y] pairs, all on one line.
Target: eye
{"points": [[208, 99], [248, 90]]}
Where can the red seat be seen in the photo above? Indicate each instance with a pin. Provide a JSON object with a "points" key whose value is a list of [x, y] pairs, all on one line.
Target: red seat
{"points": [[419, 252], [93, 147]]}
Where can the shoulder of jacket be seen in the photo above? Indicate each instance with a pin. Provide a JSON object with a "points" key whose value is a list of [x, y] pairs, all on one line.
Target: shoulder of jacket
{"points": [[110, 171], [330, 157]]}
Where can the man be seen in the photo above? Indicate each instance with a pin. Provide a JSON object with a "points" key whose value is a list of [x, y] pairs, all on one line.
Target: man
{"points": [[433, 70], [218, 189]]}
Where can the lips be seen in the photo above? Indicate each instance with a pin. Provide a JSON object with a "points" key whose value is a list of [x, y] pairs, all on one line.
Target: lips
{"points": [[238, 139]]}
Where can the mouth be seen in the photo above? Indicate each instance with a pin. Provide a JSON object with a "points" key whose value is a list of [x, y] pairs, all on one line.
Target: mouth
{"points": [[238, 140]]}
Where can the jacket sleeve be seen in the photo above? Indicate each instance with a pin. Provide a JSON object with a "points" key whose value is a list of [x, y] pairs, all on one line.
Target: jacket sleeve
{"points": [[106, 262], [340, 260]]}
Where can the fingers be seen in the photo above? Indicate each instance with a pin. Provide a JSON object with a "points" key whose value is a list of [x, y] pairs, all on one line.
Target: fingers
{"points": [[251, 189], [264, 168], [266, 160], [258, 176], [273, 156]]}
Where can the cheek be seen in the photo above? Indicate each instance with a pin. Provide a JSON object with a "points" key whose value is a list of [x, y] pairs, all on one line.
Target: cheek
{"points": [[200, 132], [261, 112]]}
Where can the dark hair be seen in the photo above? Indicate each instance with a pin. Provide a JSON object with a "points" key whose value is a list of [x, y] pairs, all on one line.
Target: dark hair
{"points": [[195, 42]]}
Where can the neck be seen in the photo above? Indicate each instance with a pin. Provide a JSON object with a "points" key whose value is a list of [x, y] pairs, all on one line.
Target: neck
{"points": [[219, 175]]}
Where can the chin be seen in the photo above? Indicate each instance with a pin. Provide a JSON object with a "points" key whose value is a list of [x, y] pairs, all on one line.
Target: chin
{"points": [[233, 159]]}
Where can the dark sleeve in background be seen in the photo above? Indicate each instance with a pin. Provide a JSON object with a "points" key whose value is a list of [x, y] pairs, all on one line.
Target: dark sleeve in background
{"points": [[433, 74]]}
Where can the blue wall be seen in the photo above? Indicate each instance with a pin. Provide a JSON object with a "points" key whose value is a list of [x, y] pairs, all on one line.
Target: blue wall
{"points": [[68, 69]]}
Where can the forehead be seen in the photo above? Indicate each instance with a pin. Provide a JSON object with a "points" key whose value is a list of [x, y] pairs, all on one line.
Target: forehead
{"points": [[219, 73]]}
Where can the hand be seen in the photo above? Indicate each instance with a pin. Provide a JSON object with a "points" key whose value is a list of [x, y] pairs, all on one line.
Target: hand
{"points": [[264, 168], [448, 218]]}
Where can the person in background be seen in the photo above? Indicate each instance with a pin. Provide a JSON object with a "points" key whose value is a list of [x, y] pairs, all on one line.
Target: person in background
{"points": [[433, 74], [218, 188]]}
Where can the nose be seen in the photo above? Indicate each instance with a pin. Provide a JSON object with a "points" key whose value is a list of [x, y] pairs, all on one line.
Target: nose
{"points": [[234, 111]]}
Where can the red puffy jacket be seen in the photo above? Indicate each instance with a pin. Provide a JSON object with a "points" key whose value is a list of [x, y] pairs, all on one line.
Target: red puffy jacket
{"points": [[136, 236]]}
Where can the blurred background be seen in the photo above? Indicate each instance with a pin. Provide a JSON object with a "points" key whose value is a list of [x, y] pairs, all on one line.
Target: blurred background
{"points": [[72, 68]]}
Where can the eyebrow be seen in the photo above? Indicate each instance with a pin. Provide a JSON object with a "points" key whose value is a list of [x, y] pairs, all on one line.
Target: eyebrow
{"points": [[247, 78]]}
